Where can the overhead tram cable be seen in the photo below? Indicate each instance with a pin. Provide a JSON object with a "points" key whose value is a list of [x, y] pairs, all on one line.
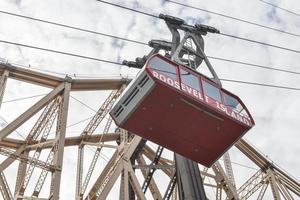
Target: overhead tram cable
{"points": [[253, 65], [211, 57], [258, 42], [261, 84], [223, 34], [144, 43], [280, 8], [59, 52], [73, 75], [68, 26], [234, 18], [121, 64]]}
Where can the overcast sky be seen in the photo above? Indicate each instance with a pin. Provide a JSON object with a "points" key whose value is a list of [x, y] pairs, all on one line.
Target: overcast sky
{"points": [[276, 111]]}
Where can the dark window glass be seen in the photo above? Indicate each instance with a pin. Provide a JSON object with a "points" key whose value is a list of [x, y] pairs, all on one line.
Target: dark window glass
{"points": [[211, 91], [230, 101], [189, 79], [163, 67], [233, 103]]}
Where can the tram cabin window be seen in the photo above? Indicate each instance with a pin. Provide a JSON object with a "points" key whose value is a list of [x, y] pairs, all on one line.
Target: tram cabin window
{"points": [[211, 91], [233, 103], [189, 79], [163, 67]]}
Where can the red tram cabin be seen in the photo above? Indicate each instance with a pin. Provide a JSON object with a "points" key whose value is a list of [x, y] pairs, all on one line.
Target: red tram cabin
{"points": [[182, 110]]}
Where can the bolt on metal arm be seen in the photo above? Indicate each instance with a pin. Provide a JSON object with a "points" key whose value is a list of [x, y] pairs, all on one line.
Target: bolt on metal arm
{"points": [[181, 50], [192, 35]]}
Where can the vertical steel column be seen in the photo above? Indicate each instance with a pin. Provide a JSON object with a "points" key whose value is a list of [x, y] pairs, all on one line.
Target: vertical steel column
{"points": [[189, 180], [3, 81], [228, 168], [134, 181], [60, 141], [78, 195], [171, 190], [6, 193], [284, 192], [152, 185], [22, 168], [262, 191], [124, 186], [274, 187], [4, 188], [219, 192], [222, 179]]}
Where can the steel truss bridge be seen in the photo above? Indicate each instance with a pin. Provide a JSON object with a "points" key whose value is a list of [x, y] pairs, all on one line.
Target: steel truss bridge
{"points": [[131, 153]]}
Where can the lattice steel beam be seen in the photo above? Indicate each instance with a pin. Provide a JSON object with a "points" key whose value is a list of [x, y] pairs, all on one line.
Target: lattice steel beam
{"points": [[171, 187], [152, 184], [263, 191], [30, 112], [253, 184], [228, 168], [86, 134], [22, 168], [95, 158], [38, 163], [152, 170], [3, 81], [4, 188], [274, 186], [45, 128], [224, 181], [60, 141]]}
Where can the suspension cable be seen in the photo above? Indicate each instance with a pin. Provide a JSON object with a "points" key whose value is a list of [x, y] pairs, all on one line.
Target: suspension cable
{"points": [[144, 43], [280, 8], [223, 34], [118, 63], [59, 52], [233, 18], [66, 26]]}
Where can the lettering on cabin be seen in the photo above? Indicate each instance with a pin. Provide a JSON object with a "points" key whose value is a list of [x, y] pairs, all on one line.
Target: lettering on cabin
{"points": [[230, 112], [197, 94], [174, 83]]}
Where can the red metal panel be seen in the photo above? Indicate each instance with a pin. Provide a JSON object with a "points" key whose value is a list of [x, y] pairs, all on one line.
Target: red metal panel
{"points": [[185, 119], [184, 125], [183, 88]]}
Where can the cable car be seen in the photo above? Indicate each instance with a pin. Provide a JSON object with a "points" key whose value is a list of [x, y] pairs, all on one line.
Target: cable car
{"points": [[178, 108]]}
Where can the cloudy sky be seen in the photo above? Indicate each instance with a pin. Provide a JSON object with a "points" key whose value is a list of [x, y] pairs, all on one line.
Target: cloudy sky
{"points": [[276, 111]]}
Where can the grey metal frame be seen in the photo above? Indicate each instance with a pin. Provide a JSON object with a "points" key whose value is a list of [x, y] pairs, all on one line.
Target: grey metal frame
{"points": [[131, 98]]}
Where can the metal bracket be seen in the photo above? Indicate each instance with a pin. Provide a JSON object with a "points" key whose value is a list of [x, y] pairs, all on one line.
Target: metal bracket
{"points": [[177, 49], [193, 35], [140, 62]]}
